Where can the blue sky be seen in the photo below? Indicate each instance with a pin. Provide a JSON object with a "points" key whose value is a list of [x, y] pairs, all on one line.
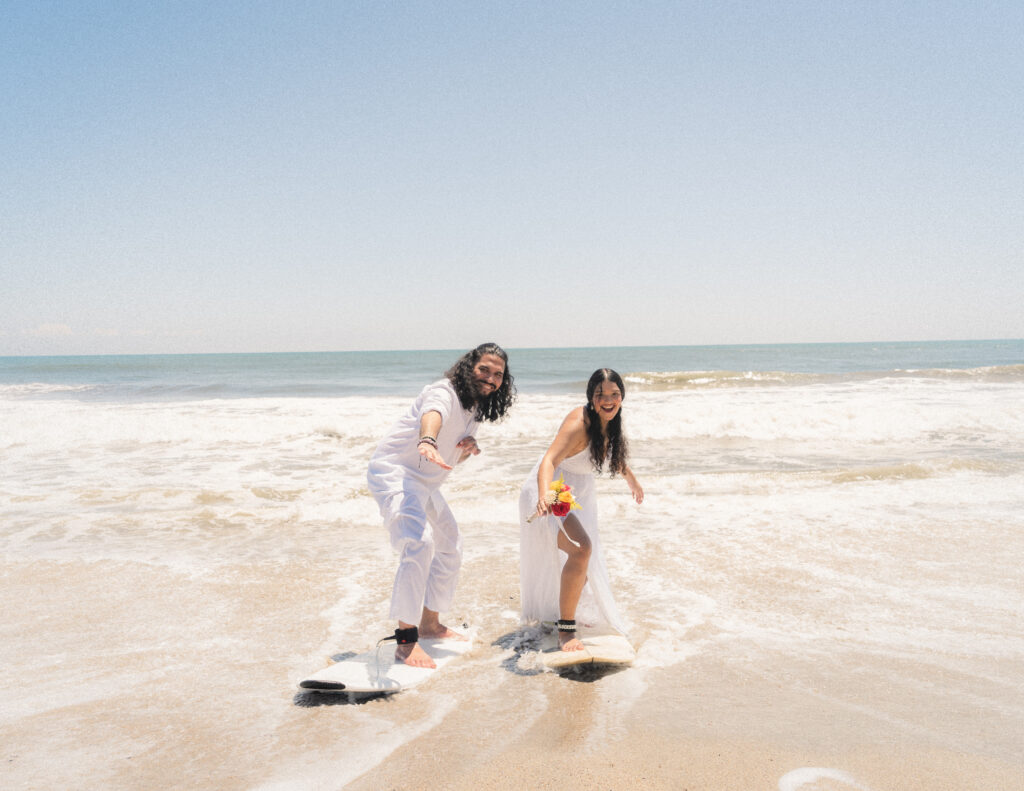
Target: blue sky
{"points": [[194, 176]]}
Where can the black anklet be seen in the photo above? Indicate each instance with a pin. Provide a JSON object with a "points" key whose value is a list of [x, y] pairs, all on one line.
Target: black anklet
{"points": [[406, 636], [402, 636], [566, 625]]}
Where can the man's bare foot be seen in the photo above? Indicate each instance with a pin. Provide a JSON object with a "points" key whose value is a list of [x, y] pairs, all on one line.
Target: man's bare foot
{"points": [[568, 642], [413, 655], [440, 631]]}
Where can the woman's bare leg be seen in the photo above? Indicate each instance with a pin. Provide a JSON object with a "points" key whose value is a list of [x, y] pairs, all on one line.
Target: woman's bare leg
{"points": [[574, 576]]}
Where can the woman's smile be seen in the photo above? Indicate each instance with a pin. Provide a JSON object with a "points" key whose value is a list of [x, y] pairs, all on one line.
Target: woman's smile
{"points": [[607, 400]]}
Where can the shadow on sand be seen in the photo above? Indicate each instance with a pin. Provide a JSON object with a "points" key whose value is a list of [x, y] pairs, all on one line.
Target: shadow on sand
{"points": [[312, 698], [527, 646]]}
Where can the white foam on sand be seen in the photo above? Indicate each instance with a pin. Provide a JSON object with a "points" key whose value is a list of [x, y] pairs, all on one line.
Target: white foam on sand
{"points": [[371, 738], [32, 700], [352, 614], [815, 779], [620, 693]]}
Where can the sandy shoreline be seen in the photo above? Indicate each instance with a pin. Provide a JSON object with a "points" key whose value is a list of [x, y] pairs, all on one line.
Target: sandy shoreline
{"points": [[148, 679], [716, 731]]}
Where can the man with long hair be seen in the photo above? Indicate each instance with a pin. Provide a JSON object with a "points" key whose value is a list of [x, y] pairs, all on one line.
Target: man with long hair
{"points": [[405, 476]]}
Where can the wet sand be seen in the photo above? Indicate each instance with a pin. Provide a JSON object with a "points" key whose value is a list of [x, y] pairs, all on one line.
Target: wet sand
{"points": [[121, 675]]}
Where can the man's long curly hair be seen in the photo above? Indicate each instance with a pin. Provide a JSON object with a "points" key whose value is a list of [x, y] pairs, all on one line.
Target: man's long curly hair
{"points": [[617, 447], [493, 407]]}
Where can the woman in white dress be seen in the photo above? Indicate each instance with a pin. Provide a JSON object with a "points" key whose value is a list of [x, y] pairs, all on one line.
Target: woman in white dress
{"points": [[561, 566]]}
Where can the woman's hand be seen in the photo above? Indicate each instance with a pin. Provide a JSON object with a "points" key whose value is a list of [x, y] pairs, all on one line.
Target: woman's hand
{"points": [[570, 440], [635, 487]]}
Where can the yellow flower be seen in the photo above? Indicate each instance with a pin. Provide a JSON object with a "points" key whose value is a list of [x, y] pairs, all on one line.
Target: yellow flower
{"points": [[566, 497]]}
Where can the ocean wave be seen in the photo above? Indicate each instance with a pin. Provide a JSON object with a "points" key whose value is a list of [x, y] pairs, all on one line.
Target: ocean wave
{"points": [[907, 471], [171, 391], [884, 472], [992, 373], [155, 392], [38, 389], [692, 380], [683, 380]]}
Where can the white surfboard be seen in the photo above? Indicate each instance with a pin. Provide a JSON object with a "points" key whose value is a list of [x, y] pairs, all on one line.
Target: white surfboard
{"points": [[377, 671], [598, 649]]}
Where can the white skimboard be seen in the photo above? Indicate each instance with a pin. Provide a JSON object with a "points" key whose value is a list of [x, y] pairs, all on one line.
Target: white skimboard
{"points": [[377, 670], [598, 649]]}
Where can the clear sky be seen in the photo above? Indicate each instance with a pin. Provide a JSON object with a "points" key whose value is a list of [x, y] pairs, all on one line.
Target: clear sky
{"points": [[270, 176]]}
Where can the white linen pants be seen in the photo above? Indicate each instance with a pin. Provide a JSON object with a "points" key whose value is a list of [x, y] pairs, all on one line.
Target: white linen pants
{"points": [[425, 535]]}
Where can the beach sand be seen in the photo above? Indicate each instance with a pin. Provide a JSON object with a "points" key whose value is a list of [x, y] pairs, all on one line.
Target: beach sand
{"points": [[123, 675]]}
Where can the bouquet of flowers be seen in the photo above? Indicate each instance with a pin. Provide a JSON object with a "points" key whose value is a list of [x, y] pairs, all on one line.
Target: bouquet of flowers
{"points": [[560, 498]]}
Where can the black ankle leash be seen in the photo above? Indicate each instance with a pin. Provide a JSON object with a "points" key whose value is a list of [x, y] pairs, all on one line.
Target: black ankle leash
{"points": [[403, 636]]}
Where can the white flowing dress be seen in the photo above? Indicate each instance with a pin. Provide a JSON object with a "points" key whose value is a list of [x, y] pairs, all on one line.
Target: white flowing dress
{"points": [[541, 561]]}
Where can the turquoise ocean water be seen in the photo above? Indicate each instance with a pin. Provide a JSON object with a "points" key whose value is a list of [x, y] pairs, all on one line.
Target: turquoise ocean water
{"points": [[198, 376]]}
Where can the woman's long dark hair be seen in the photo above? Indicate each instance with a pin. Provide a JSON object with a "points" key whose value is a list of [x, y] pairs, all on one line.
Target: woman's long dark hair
{"points": [[496, 405], [617, 446]]}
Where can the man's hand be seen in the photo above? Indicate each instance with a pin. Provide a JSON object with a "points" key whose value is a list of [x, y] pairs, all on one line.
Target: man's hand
{"points": [[429, 452], [468, 446]]}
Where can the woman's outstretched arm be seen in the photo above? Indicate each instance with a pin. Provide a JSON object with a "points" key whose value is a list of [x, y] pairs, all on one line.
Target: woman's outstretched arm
{"points": [[634, 486], [570, 440]]}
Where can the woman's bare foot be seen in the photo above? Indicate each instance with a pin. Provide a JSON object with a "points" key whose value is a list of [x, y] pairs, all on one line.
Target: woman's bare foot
{"points": [[413, 655], [567, 641]]}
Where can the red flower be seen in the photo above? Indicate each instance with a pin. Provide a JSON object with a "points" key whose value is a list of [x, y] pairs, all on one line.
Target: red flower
{"points": [[560, 509]]}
